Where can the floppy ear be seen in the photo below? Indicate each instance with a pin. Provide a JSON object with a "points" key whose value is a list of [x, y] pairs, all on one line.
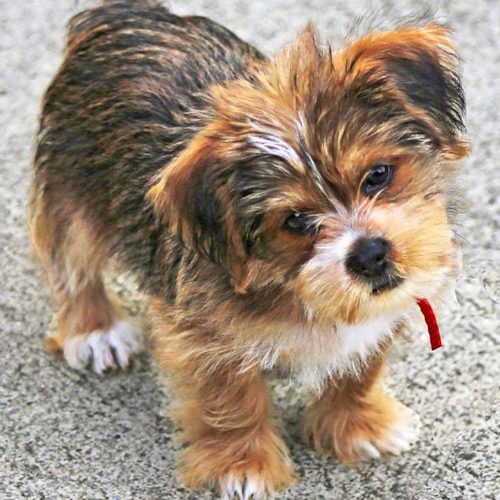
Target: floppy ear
{"points": [[191, 198], [422, 68], [186, 199]]}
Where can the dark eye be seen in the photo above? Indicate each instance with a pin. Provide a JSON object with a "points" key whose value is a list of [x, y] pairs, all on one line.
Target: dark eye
{"points": [[378, 178], [298, 223]]}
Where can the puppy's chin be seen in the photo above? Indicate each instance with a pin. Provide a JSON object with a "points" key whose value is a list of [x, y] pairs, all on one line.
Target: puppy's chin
{"points": [[350, 302]]}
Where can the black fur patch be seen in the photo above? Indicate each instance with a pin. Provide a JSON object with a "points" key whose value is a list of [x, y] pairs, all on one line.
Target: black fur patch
{"points": [[432, 87]]}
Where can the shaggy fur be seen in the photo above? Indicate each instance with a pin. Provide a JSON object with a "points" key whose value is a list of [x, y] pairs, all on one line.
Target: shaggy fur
{"points": [[236, 188]]}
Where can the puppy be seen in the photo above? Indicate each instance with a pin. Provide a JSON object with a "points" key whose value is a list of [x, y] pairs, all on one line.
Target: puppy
{"points": [[281, 213]]}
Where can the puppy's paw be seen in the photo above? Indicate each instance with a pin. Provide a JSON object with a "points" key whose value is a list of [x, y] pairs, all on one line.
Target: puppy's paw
{"points": [[244, 487], [390, 439], [102, 351], [239, 471], [381, 427], [255, 481]]}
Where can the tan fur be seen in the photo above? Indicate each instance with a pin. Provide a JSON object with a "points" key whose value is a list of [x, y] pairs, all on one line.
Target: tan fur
{"points": [[73, 260], [224, 415], [354, 411]]}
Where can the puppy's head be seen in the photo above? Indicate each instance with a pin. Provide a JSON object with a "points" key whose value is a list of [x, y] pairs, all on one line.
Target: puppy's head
{"points": [[330, 174]]}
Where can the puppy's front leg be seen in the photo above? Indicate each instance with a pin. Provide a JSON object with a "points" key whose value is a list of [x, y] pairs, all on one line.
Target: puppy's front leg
{"points": [[356, 419], [226, 419], [225, 416]]}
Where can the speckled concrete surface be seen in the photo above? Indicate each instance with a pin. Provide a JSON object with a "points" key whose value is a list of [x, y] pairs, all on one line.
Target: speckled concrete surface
{"points": [[64, 435]]}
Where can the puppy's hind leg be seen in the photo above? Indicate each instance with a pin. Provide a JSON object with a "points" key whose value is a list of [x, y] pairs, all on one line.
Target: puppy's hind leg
{"points": [[91, 331]]}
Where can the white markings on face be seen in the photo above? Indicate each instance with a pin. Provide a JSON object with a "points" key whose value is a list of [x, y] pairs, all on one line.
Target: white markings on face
{"points": [[338, 250], [276, 146], [330, 257]]}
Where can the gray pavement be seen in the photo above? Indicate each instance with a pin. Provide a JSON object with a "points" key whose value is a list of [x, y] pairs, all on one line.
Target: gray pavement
{"points": [[65, 435]]}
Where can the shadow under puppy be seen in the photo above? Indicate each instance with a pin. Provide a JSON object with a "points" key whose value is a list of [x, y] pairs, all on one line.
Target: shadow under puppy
{"points": [[281, 213]]}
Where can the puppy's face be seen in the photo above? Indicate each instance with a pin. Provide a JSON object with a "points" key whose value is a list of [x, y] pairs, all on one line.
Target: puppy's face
{"points": [[330, 175]]}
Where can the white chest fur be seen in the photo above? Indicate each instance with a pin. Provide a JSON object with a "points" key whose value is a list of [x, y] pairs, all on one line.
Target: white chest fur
{"points": [[313, 355]]}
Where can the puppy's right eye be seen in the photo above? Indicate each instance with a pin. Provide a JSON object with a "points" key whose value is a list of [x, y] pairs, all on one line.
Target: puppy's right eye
{"points": [[297, 223], [377, 179]]}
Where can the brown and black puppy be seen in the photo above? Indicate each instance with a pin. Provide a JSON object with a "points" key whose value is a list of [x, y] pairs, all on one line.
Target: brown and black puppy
{"points": [[282, 214]]}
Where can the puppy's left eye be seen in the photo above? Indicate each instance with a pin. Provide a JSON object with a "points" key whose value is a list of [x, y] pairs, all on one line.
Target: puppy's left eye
{"points": [[377, 179], [298, 223]]}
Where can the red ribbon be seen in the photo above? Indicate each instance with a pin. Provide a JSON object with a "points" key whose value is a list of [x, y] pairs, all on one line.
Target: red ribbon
{"points": [[432, 325]]}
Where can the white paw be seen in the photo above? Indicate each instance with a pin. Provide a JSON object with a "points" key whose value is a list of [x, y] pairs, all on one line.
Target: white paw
{"points": [[395, 440], [246, 488], [102, 351]]}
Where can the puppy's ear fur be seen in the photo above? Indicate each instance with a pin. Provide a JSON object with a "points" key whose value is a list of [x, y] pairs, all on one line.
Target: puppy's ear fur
{"points": [[421, 67], [190, 197], [185, 197]]}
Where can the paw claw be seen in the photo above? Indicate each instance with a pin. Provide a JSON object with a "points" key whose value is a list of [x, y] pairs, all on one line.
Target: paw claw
{"points": [[397, 445], [252, 489], [238, 491], [244, 489], [370, 451]]}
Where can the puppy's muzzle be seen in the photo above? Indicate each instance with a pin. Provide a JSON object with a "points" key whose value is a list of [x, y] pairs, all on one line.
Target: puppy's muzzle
{"points": [[369, 260]]}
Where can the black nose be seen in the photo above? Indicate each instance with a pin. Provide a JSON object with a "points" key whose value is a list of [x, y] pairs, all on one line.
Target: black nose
{"points": [[368, 258]]}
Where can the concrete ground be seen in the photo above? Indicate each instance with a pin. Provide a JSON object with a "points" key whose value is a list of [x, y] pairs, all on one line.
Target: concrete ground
{"points": [[66, 435]]}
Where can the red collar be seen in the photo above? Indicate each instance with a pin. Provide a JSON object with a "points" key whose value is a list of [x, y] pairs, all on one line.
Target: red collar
{"points": [[432, 325]]}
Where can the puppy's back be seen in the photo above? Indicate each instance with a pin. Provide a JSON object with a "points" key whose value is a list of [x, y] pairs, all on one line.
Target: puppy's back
{"points": [[129, 95]]}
